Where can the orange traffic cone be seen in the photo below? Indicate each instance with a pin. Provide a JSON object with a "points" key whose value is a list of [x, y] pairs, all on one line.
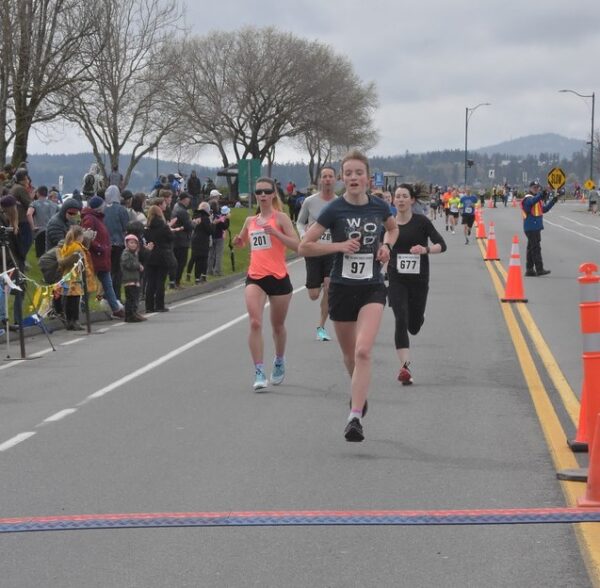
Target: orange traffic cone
{"points": [[491, 253], [514, 291], [490, 203], [515, 204], [592, 493], [480, 234]]}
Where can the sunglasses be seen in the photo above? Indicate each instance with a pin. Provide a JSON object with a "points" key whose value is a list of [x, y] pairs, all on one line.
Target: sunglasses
{"points": [[267, 191]]}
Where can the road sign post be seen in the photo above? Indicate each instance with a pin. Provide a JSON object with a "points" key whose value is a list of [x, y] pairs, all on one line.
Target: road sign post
{"points": [[248, 173]]}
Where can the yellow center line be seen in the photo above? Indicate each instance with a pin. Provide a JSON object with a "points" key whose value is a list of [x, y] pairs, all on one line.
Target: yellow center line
{"points": [[588, 534]]}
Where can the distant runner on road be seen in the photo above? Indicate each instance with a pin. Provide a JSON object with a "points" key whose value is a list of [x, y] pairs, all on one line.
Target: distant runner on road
{"points": [[318, 268]]}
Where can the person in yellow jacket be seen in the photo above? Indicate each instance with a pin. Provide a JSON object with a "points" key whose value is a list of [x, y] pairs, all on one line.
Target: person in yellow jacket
{"points": [[69, 254]]}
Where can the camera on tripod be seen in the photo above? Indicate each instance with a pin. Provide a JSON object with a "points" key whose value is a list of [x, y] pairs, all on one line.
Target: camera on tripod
{"points": [[4, 233]]}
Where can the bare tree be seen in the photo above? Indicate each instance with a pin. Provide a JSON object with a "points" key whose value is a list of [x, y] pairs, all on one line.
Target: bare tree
{"points": [[244, 92], [41, 41], [126, 102]]}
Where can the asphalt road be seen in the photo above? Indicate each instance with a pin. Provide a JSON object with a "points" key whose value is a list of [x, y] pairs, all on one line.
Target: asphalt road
{"points": [[160, 417]]}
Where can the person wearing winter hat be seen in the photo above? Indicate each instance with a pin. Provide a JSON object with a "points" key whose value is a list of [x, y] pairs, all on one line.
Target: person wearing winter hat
{"points": [[131, 270], [100, 251], [116, 219]]}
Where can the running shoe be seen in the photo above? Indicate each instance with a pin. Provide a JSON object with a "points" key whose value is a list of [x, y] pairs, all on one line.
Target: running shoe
{"points": [[466, 240], [322, 334], [405, 377], [354, 431], [260, 382], [365, 407], [278, 372]]}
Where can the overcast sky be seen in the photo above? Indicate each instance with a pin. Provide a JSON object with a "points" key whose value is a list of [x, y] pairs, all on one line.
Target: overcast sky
{"points": [[433, 58]]}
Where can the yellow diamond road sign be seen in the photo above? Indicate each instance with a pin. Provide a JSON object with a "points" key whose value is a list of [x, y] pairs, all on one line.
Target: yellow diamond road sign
{"points": [[589, 185], [556, 178]]}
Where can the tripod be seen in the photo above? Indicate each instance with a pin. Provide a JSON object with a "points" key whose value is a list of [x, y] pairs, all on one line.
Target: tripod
{"points": [[19, 281]]}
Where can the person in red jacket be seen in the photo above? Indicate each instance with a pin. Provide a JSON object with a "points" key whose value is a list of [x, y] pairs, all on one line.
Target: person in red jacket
{"points": [[92, 218]]}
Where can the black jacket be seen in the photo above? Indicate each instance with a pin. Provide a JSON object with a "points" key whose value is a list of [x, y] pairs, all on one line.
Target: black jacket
{"points": [[182, 238], [203, 231], [159, 233]]}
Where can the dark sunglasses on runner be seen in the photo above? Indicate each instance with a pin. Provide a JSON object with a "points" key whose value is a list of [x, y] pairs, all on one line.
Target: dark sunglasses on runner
{"points": [[267, 191]]}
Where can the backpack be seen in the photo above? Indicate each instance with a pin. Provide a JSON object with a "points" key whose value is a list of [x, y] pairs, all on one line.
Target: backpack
{"points": [[48, 264]]}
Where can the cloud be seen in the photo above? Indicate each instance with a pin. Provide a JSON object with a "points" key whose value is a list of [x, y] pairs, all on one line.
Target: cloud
{"points": [[433, 58]]}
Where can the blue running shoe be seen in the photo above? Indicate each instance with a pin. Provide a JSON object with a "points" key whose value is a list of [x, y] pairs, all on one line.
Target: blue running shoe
{"points": [[278, 372], [322, 334], [260, 382]]}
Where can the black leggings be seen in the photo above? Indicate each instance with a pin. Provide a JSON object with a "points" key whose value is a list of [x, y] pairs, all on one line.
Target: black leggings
{"points": [[408, 301]]}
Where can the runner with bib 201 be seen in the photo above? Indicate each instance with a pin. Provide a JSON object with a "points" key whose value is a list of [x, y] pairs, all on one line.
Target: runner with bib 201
{"points": [[268, 233], [357, 293]]}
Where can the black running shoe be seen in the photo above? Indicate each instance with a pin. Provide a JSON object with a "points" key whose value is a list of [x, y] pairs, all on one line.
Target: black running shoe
{"points": [[354, 431]]}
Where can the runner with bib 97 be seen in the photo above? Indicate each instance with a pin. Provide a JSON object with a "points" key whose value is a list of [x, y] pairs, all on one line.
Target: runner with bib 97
{"points": [[357, 293]]}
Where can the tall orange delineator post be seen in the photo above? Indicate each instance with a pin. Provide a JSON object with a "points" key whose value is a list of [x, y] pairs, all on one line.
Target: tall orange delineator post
{"points": [[491, 252], [480, 234], [589, 287], [514, 291], [592, 492]]}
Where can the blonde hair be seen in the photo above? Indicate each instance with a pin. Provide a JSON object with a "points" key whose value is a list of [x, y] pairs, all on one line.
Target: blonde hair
{"points": [[155, 211], [73, 234]]}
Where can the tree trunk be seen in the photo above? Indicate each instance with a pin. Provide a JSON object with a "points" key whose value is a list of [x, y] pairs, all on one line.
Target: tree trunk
{"points": [[22, 128]]}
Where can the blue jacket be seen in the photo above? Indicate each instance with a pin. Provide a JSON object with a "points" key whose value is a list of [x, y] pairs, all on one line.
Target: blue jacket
{"points": [[533, 216]]}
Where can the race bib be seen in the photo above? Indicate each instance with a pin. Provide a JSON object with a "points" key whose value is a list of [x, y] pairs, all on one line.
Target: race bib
{"points": [[468, 210], [357, 266], [259, 240], [453, 208], [408, 263], [326, 236]]}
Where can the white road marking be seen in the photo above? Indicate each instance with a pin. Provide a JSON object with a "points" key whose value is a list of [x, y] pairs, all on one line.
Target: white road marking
{"points": [[16, 440], [580, 224], [571, 231], [72, 341], [60, 415]]}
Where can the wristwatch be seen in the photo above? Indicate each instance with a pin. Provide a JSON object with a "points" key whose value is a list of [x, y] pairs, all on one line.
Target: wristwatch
{"points": [[388, 246]]}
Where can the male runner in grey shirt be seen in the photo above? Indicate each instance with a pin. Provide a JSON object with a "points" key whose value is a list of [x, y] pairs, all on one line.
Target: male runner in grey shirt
{"points": [[318, 268]]}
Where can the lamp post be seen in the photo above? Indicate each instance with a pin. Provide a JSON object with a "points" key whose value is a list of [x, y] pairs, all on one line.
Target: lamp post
{"points": [[468, 114], [593, 97]]}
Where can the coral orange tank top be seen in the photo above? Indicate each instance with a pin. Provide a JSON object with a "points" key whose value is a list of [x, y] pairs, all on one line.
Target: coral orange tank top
{"points": [[267, 253]]}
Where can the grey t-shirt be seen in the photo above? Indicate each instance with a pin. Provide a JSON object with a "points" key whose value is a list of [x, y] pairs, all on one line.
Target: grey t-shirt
{"points": [[44, 210], [310, 211]]}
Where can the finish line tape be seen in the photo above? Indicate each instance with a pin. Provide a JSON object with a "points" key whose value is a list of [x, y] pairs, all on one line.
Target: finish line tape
{"points": [[301, 518]]}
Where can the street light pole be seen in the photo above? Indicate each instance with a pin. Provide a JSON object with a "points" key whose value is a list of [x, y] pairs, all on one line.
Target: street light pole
{"points": [[468, 113], [593, 97]]}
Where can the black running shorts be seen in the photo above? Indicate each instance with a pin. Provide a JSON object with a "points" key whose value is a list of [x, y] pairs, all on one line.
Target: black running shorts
{"points": [[345, 301], [317, 269], [271, 285]]}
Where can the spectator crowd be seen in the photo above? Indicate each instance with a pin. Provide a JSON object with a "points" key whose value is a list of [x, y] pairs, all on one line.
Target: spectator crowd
{"points": [[106, 241]]}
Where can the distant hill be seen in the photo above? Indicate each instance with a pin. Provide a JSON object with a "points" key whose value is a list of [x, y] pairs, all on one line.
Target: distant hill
{"points": [[512, 161], [534, 145]]}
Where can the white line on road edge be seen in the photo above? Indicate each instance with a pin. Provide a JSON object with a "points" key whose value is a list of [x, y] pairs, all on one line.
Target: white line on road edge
{"points": [[59, 415], [16, 440], [163, 359], [571, 231], [154, 364], [580, 224]]}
